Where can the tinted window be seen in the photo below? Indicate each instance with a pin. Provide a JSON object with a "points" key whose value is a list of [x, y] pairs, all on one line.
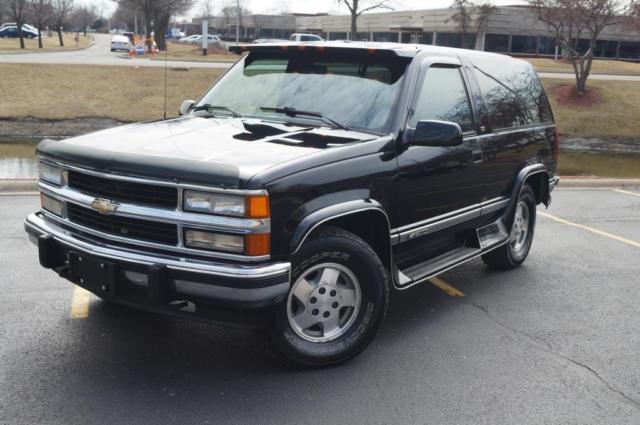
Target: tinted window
{"points": [[358, 90], [443, 96], [512, 91]]}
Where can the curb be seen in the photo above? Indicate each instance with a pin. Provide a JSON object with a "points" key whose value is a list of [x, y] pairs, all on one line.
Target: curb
{"points": [[31, 185], [577, 182]]}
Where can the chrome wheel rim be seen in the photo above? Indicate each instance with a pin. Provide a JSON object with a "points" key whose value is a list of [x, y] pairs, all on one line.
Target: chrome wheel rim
{"points": [[520, 228], [323, 302]]}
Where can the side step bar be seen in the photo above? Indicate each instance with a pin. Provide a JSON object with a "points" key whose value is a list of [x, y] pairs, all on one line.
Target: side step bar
{"points": [[487, 238]]}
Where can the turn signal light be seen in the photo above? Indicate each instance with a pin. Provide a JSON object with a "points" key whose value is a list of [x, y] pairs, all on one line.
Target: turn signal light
{"points": [[257, 206], [257, 244]]}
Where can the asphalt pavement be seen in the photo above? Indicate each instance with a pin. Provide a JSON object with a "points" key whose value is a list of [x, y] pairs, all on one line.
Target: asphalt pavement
{"points": [[555, 342], [99, 53]]}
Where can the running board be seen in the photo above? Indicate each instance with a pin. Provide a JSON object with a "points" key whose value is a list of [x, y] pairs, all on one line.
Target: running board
{"points": [[489, 237]]}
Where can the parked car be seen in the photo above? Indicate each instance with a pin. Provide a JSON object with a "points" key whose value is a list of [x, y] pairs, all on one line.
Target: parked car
{"points": [[213, 40], [24, 26], [268, 40], [12, 32], [120, 42], [304, 37], [283, 202], [131, 36]]}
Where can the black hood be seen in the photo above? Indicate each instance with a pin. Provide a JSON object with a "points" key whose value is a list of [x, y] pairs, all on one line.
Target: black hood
{"points": [[219, 152]]}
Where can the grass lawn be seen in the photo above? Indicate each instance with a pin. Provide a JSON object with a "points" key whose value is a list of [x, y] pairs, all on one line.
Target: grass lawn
{"points": [[179, 51], [49, 44], [121, 93], [599, 164], [599, 66], [616, 116]]}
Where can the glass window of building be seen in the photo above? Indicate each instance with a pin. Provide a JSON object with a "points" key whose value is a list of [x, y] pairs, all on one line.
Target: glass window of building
{"points": [[629, 50], [524, 44], [385, 36], [427, 38], [498, 43], [605, 49], [547, 46], [456, 39]]}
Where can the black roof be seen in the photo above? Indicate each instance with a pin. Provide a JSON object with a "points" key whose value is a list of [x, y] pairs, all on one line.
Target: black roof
{"points": [[399, 49]]}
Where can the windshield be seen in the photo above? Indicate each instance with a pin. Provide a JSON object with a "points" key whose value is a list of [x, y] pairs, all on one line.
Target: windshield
{"points": [[356, 89]]}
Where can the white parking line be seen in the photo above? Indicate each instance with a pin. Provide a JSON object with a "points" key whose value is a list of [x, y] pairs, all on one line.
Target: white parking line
{"points": [[626, 192]]}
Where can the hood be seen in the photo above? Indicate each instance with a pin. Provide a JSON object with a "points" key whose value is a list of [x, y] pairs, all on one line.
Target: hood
{"points": [[197, 150]]}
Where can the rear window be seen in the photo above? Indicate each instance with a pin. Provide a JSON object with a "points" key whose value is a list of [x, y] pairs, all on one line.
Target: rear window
{"points": [[512, 91]]}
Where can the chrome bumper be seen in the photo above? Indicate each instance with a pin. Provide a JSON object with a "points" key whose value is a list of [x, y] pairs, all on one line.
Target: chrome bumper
{"points": [[240, 284]]}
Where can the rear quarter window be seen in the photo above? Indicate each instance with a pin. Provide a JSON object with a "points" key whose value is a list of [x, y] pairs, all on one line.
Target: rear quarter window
{"points": [[512, 91]]}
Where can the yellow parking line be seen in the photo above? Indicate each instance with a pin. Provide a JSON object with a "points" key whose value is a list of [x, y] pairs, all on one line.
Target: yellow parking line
{"points": [[448, 289], [626, 192], [590, 229], [80, 303]]}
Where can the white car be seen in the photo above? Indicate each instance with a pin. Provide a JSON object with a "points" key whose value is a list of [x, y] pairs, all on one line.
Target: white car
{"points": [[120, 42], [196, 39], [304, 37]]}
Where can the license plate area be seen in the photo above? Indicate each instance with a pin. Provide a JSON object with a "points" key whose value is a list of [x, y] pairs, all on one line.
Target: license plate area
{"points": [[93, 272]]}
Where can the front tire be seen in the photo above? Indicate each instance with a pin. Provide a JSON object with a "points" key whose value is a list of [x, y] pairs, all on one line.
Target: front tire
{"points": [[336, 304], [512, 254]]}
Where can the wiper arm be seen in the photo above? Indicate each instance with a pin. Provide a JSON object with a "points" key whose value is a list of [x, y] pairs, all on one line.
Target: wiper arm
{"points": [[208, 107], [292, 112]]}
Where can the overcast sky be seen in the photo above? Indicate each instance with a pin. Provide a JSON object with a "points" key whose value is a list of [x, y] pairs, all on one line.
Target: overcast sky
{"points": [[300, 6]]}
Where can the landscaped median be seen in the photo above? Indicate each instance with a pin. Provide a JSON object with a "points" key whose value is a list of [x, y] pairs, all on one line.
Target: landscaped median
{"points": [[65, 100], [49, 44]]}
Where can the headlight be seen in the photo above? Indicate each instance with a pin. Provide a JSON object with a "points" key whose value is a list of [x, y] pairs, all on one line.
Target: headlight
{"points": [[50, 204], [50, 173], [214, 241], [213, 203], [229, 205]]}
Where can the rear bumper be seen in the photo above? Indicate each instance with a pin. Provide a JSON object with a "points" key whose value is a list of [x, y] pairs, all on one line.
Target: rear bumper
{"points": [[157, 281]]}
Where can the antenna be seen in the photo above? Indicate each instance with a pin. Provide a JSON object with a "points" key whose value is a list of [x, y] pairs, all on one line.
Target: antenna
{"points": [[166, 51]]}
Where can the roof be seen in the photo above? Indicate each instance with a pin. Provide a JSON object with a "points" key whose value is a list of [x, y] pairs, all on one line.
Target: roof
{"points": [[399, 49]]}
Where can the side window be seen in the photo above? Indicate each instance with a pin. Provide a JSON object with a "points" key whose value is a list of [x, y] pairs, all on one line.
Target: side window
{"points": [[513, 93], [443, 96]]}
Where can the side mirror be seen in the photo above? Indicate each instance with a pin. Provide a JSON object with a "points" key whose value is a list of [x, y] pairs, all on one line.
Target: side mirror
{"points": [[186, 106], [436, 133]]}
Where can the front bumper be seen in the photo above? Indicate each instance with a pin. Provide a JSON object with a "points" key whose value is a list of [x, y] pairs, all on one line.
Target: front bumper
{"points": [[158, 282]]}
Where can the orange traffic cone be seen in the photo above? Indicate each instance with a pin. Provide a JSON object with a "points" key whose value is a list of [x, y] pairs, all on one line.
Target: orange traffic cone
{"points": [[132, 52]]}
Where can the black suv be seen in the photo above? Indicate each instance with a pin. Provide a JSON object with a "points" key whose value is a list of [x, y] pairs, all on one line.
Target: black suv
{"points": [[309, 181]]}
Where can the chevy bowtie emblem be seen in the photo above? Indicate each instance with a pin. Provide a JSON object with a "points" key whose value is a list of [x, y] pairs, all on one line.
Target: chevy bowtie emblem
{"points": [[104, 206]]}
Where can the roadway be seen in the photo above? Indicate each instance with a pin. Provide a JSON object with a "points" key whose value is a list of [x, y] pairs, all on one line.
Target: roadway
{"points": [[555, 341], [99, 53]]}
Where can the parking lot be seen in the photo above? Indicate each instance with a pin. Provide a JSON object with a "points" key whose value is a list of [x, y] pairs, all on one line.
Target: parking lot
{"points": [[556, 341]]}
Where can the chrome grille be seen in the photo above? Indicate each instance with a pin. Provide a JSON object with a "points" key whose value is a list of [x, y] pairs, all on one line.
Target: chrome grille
{"points": [[145, 230], [124, 191]]}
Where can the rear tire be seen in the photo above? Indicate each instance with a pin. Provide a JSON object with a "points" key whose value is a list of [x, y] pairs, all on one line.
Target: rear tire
{"points": [[512, 254], [336, 304]]}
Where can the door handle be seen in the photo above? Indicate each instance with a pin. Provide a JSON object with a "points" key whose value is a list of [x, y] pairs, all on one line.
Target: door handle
{"points": [[477, 157]]}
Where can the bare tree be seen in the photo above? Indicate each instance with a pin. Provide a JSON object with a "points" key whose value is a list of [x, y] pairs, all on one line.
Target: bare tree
{"points": [[164, 11], [461, 11], [469, 16], [483, 12], [571, 19], [17, 11], [61, 11], [42, 13], [358, 7]]}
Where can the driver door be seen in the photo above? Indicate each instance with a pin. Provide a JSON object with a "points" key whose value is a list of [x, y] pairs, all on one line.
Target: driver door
{"points": [[438, 187]]}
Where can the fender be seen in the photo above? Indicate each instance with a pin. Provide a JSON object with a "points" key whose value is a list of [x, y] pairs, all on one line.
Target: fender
{"points": [[322, 215], [523, 174]]}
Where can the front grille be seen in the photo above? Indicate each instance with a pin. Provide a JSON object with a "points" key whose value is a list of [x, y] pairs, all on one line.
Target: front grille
{"points": [[145, 230], [124, 191]]}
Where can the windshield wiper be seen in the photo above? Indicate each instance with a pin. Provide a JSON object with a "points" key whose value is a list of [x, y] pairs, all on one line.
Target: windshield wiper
{"points": [[208, 107], [292, 112]]}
